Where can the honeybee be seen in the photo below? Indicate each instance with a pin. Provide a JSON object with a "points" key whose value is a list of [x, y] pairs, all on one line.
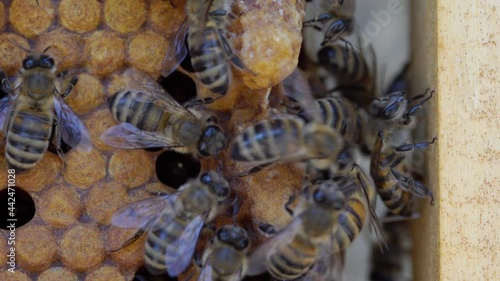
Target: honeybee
{"points": [[356, 80], [30, 110], [174, 221], [226, 259], [393, 185], [205, 27], [292, 251], [393, 114], [150, 117], [337, 112], [341, 15], [287, 139], [360, 203]]}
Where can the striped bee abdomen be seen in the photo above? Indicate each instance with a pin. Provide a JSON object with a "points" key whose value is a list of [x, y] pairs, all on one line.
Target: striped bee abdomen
{"points": [[209, 60], [166, 231], [267, 140], [293, 259], [27, 138], [129, 107]]}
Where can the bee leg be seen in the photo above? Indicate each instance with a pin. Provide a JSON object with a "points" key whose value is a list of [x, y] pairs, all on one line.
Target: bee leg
{"points": [[229, 53], [70, 87], [320, 18], [136, 236], [5, 82], [415, 187], [414, 109], [218, 13], [419, 145], [423, 191], [158, 193], [199, 102], [291, 199], [267, 228]]}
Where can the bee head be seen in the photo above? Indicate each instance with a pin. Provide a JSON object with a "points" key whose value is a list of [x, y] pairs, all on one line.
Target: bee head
{"points": [[38, 60], [390, 107], [212, 141], [216, 182], [329, 195], [234, 236]]}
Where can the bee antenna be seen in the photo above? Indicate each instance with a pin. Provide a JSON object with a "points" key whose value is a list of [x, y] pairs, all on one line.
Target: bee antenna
{"points": [[46, 49], [19, 46]]}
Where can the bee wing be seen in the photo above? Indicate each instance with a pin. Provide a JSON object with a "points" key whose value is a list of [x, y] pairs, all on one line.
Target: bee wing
{"points": [[259, 258], [73, 131], [152, 91], [127, 136], [206, 271], [143, 213], [183, 247], [177, 51], [5, 109], [328, 266], [297, 88]]}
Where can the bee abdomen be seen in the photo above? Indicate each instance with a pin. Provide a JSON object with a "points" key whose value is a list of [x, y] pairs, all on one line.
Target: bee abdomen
{"points": [[127, 108], [351, 222], [27, 140], [266, 140], [209, 61], [332, 114], [293, 260], [155, 251]]}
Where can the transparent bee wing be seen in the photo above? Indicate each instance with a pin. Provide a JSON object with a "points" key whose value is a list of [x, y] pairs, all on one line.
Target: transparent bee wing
{"points": [[259, 258], [73, 131], [328, 266], [5, 109], [206, 271], [143, 212], [183, 247], [152, 91], [297, 88], [369, 192], [177, 51], [127, 136]]}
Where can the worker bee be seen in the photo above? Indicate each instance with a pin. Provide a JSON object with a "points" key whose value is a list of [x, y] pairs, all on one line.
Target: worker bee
{"points": [[226, 259], [393, 114], [293, 250], [174, 221], [286, 139], [393, 185], [360, 196], [204, 27], [30, 110], [335, 111], [356, 79], [340, 14], [150, 117]]}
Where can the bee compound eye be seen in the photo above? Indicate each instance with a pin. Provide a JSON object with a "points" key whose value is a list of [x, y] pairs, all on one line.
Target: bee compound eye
{"points": [[47, 62], [319, 196], [28, 63], [22, 198], [174, 169]]}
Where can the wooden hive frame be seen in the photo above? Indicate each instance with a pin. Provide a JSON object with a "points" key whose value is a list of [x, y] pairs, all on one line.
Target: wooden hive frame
{"points": [[455, 50]]}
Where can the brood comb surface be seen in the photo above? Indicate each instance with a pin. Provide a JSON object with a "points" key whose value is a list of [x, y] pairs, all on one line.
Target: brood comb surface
{"points": [[70, 237]]}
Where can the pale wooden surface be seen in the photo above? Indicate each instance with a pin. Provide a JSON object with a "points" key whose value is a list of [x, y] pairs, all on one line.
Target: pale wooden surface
{"points": [[459, 237]]}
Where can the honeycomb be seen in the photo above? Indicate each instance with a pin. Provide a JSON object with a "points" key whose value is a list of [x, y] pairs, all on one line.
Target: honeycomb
{"points": [[70, 236]]}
